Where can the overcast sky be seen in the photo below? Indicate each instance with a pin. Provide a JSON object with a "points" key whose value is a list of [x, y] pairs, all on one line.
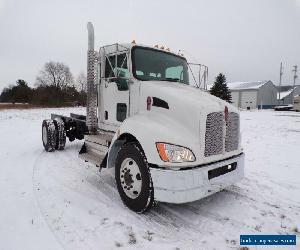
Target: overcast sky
{"points": [[244, 39]]}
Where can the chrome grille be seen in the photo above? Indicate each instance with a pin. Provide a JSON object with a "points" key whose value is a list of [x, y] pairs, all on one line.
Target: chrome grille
{"points": [[214, 134], [232, 132]]}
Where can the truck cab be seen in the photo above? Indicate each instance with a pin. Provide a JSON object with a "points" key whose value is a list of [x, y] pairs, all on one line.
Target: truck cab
{"points": [[124, 70], [167, 140]]}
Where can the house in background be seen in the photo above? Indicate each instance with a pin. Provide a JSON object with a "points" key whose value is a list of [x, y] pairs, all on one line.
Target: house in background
{"points": [[252, 95], [286, 94]]}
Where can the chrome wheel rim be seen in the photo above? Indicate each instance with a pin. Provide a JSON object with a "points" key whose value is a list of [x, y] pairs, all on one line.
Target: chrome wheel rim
{"points": [[45, 139], [131, 179]]}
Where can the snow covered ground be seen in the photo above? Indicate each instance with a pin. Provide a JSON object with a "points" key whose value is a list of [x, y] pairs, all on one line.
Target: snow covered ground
{"points": [[55, 201]]}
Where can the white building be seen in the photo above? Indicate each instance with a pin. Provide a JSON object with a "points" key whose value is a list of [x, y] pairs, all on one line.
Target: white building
{"points": [[252, 95]]}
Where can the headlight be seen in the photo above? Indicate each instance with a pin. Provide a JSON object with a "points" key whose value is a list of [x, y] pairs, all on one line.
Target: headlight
{"points": [[174, 153]]}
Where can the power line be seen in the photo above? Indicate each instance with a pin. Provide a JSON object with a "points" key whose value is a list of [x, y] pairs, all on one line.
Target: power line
{"points": [[280, 80], [295, 77]]}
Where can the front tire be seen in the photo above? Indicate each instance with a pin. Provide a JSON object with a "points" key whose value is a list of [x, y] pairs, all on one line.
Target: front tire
{"points": [[133, 178], [49, 135]]}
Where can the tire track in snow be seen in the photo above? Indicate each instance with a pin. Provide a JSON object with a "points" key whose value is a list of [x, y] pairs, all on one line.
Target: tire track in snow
{"points": [[34, 188], [42, 158]]}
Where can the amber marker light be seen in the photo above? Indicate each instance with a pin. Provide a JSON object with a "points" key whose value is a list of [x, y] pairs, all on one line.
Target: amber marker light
{"points": [[174, 153], [162, 151]]}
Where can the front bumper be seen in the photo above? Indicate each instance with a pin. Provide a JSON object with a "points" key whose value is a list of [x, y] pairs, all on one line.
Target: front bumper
{"points": [[180, 186]]}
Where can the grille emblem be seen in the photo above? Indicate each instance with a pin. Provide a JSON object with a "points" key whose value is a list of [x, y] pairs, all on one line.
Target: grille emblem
{"points": [[149, 102]]}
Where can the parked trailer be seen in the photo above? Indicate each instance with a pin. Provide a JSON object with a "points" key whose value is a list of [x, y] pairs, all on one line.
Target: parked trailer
{"points": [[283, 108], [167, 140]]}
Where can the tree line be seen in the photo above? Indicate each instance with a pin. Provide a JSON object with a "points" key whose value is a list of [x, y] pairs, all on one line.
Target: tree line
{"points": [[54, 86]]}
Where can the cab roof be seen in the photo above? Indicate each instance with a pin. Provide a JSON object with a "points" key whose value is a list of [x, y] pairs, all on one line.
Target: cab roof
{"points": [[128, 46]]}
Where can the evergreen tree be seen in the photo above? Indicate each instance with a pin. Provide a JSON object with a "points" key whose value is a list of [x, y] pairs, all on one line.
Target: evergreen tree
{"points": [[22, 83], [20, 92], [220, 88]]}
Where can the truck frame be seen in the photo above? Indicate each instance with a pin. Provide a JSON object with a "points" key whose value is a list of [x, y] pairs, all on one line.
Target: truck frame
{"points": [[168, 141]]}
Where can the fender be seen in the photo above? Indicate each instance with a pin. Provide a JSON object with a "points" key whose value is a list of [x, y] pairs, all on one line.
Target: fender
{"points": [[149, 128]]}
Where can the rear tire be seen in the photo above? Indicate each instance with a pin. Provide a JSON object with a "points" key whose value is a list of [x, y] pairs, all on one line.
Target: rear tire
{"points": [[133, 178], [60, 134], [49, 135]]}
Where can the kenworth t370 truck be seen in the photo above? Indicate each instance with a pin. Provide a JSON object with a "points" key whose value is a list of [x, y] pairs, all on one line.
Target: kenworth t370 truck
{"points": [[168, 141]]}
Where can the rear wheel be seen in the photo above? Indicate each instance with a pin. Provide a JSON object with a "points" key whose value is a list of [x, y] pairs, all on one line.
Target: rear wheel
{"points": [[49, 135], [133, 178], [60, 134]]}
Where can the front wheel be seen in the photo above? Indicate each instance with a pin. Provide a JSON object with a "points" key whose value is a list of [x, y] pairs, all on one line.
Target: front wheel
{"points": [[133, 178]]}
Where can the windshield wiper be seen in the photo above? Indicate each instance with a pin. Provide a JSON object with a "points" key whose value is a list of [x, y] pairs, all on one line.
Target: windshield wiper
{"points": [[170, 79]]}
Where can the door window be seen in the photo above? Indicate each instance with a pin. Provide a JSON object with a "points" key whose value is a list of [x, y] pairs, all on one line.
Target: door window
{"points": [[110, 66], [117, 72], [121, 68]]}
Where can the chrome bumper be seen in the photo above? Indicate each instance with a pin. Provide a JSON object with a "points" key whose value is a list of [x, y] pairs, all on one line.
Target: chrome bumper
{"points": [[180, 186]]}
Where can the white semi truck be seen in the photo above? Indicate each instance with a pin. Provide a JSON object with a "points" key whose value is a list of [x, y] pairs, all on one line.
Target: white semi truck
{"points": [[168, 141]]}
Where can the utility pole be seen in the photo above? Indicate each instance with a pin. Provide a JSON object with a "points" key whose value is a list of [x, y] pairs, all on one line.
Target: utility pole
{"points": [[295, 77], [280, 79]]}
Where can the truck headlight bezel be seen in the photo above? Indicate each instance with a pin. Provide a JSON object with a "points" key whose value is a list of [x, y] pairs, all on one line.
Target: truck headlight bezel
{"points": [[173, 153]]}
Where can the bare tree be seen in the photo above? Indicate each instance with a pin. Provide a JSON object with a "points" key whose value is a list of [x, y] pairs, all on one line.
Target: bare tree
{"points": [[55, 74], [81, 82]]}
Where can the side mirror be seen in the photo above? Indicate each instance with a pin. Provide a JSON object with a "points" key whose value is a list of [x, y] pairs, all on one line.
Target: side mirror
{"points": [[122, 83]]}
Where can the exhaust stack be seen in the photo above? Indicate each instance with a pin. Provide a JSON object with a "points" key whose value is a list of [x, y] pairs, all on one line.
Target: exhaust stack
{"points": [[91, 105]]}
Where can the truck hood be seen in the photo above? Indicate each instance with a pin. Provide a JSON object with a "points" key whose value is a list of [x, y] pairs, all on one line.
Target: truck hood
{"points": [[177, 116], [183, 120], [181, 96]]}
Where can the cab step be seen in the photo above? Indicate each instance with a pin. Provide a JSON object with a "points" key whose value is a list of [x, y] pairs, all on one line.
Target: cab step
{"points": [[92, 158], [95, 148]]}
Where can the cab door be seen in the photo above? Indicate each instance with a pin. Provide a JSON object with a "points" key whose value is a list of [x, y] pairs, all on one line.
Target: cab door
{"points": [[114, 92]]}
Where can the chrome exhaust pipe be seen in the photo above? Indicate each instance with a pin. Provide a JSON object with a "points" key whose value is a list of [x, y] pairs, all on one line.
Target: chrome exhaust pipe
{"points": [[91, 104]]}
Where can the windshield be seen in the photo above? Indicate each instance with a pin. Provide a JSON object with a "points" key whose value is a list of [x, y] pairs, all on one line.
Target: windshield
{"points": [[151, 64]]}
